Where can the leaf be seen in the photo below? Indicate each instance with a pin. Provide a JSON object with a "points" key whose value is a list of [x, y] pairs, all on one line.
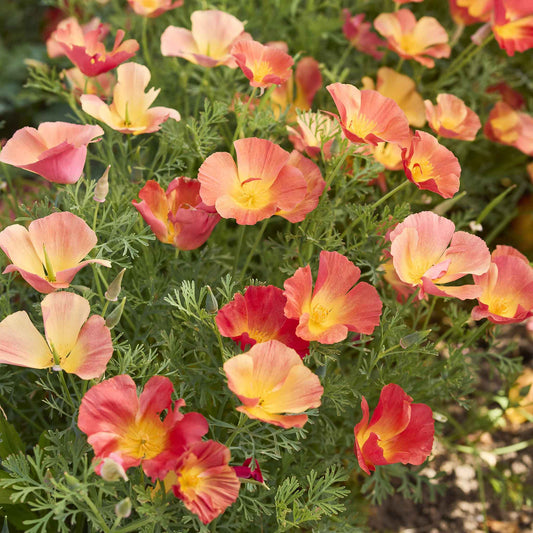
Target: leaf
{"points": [[10, 441]]}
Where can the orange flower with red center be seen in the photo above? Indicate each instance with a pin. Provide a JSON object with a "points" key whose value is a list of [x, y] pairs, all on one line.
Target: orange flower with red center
{"points": [[273, 384], [411, 39], [118, 422], [507, 288], [512, 25], [398, 432], [337, 304], [431, 166]]}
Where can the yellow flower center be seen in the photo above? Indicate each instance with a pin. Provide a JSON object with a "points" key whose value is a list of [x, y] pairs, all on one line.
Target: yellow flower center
{"points": [[318, 318], [410, 45], [144, 439], [361, 125], [253, 194], [260, 335], [421, 170], [260, 70], [502, 306], [190, 479]]}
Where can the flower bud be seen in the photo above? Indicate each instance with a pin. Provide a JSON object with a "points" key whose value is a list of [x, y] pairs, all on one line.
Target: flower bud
{"points": [[72, 481], [114, 317], [123, 508], [102, 187], [211, 304], [113, 290], [111, 470]]}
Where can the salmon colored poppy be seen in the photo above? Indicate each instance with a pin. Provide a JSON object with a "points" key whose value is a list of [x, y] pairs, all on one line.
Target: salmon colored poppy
{"points": [[153, 8], [360, 36], [399, 431], [507, 288], [467, 12], [74, 342], [369, 117], [204, 480], [431, 166], [55, 150], [273, 384], [512, 25], [388, 154], [177, 216], [337, 304], [508, 94], [452, 118], [71, 31], [49, 253], [402, 89], [130, 111], [258, 317], [260, 184], [262, 65], [313, 134], [209, 42], [131, 428], [420, 40], [428, 253]]}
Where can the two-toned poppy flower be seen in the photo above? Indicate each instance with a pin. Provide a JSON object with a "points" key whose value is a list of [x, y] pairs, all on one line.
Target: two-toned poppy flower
{"points": [[262, 65], [273, 384], [420, 40], [258, 317], [507, 288], [153, 8], [402, 89], [452, 118], [70, 30], [55, 150], [213, 33], [467, 12], [367, 116], [512, 25], [358, 33], [73, 342], [399, 431], [87, 51], [428, 253], [130, 111], [431, 166], [131, 428], [261, 183], [49, 253], [508, 126], [336, 305], [177, 216], [314, 133], [204, 480]]}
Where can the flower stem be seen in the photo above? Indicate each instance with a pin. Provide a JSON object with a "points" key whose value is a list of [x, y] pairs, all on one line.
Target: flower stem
{"points": [[253, 248], [240, 239]]}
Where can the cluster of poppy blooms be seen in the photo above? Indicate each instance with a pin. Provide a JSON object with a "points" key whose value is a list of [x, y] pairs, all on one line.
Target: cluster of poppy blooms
{"points": [[270, 379]]}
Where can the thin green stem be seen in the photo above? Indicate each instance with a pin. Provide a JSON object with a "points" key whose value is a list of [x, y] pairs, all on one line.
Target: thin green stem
{"points": [[430, 312], [64, 388], [253, 248], [95, 216], [135, 526], [21, 414], [240, 240], [240, 120], [144, 40], [96, 513]]}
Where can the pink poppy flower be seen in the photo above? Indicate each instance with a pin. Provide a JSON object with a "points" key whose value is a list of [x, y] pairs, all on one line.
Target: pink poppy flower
{"points": [[452, 118], [262, 65], [153, 8], [271, 380], [367, 116], [213, 33], [130, 111], [512, 25], [508, 94], [411, 39], [258, 317], [74, 342], [69, 29], [204, 480], [87, 51], [428, 253], [399, 431], [314, 133], [55, 150], [467, 12], [260, 184], [177, 216], [431, 166], [337, 304], [360, 36], [507, 288], [118, 422], [49, 253]]}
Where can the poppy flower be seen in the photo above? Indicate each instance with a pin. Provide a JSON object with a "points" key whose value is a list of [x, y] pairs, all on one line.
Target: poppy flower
{"points": [[314, 133], [70, 30], [177, 216], [73, 342], [398, 432], [55, 150], [131, 428], [358, 32], [467, 12], [336, 305], [153, 8], [213, 33], [130, 111], [512, 25], [273, 384], [49, 253], [258, 317]]}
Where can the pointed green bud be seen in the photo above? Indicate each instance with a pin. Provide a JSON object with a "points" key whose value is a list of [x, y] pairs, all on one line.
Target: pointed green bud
{"points": [[211, 304], [50, 274], [414, 338], [114, 287], [112, 471], [123, 508], [114, 317], [72, 481], [102, 187]]}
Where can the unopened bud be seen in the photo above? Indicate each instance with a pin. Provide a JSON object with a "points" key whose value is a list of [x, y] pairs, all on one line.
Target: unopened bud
{"points": [[414, 338], [114, 287], [211, 304], [72, 481], [475, 226], [114, 317], [102, 186], [110, 470], [123, 508], [481, 34]]}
